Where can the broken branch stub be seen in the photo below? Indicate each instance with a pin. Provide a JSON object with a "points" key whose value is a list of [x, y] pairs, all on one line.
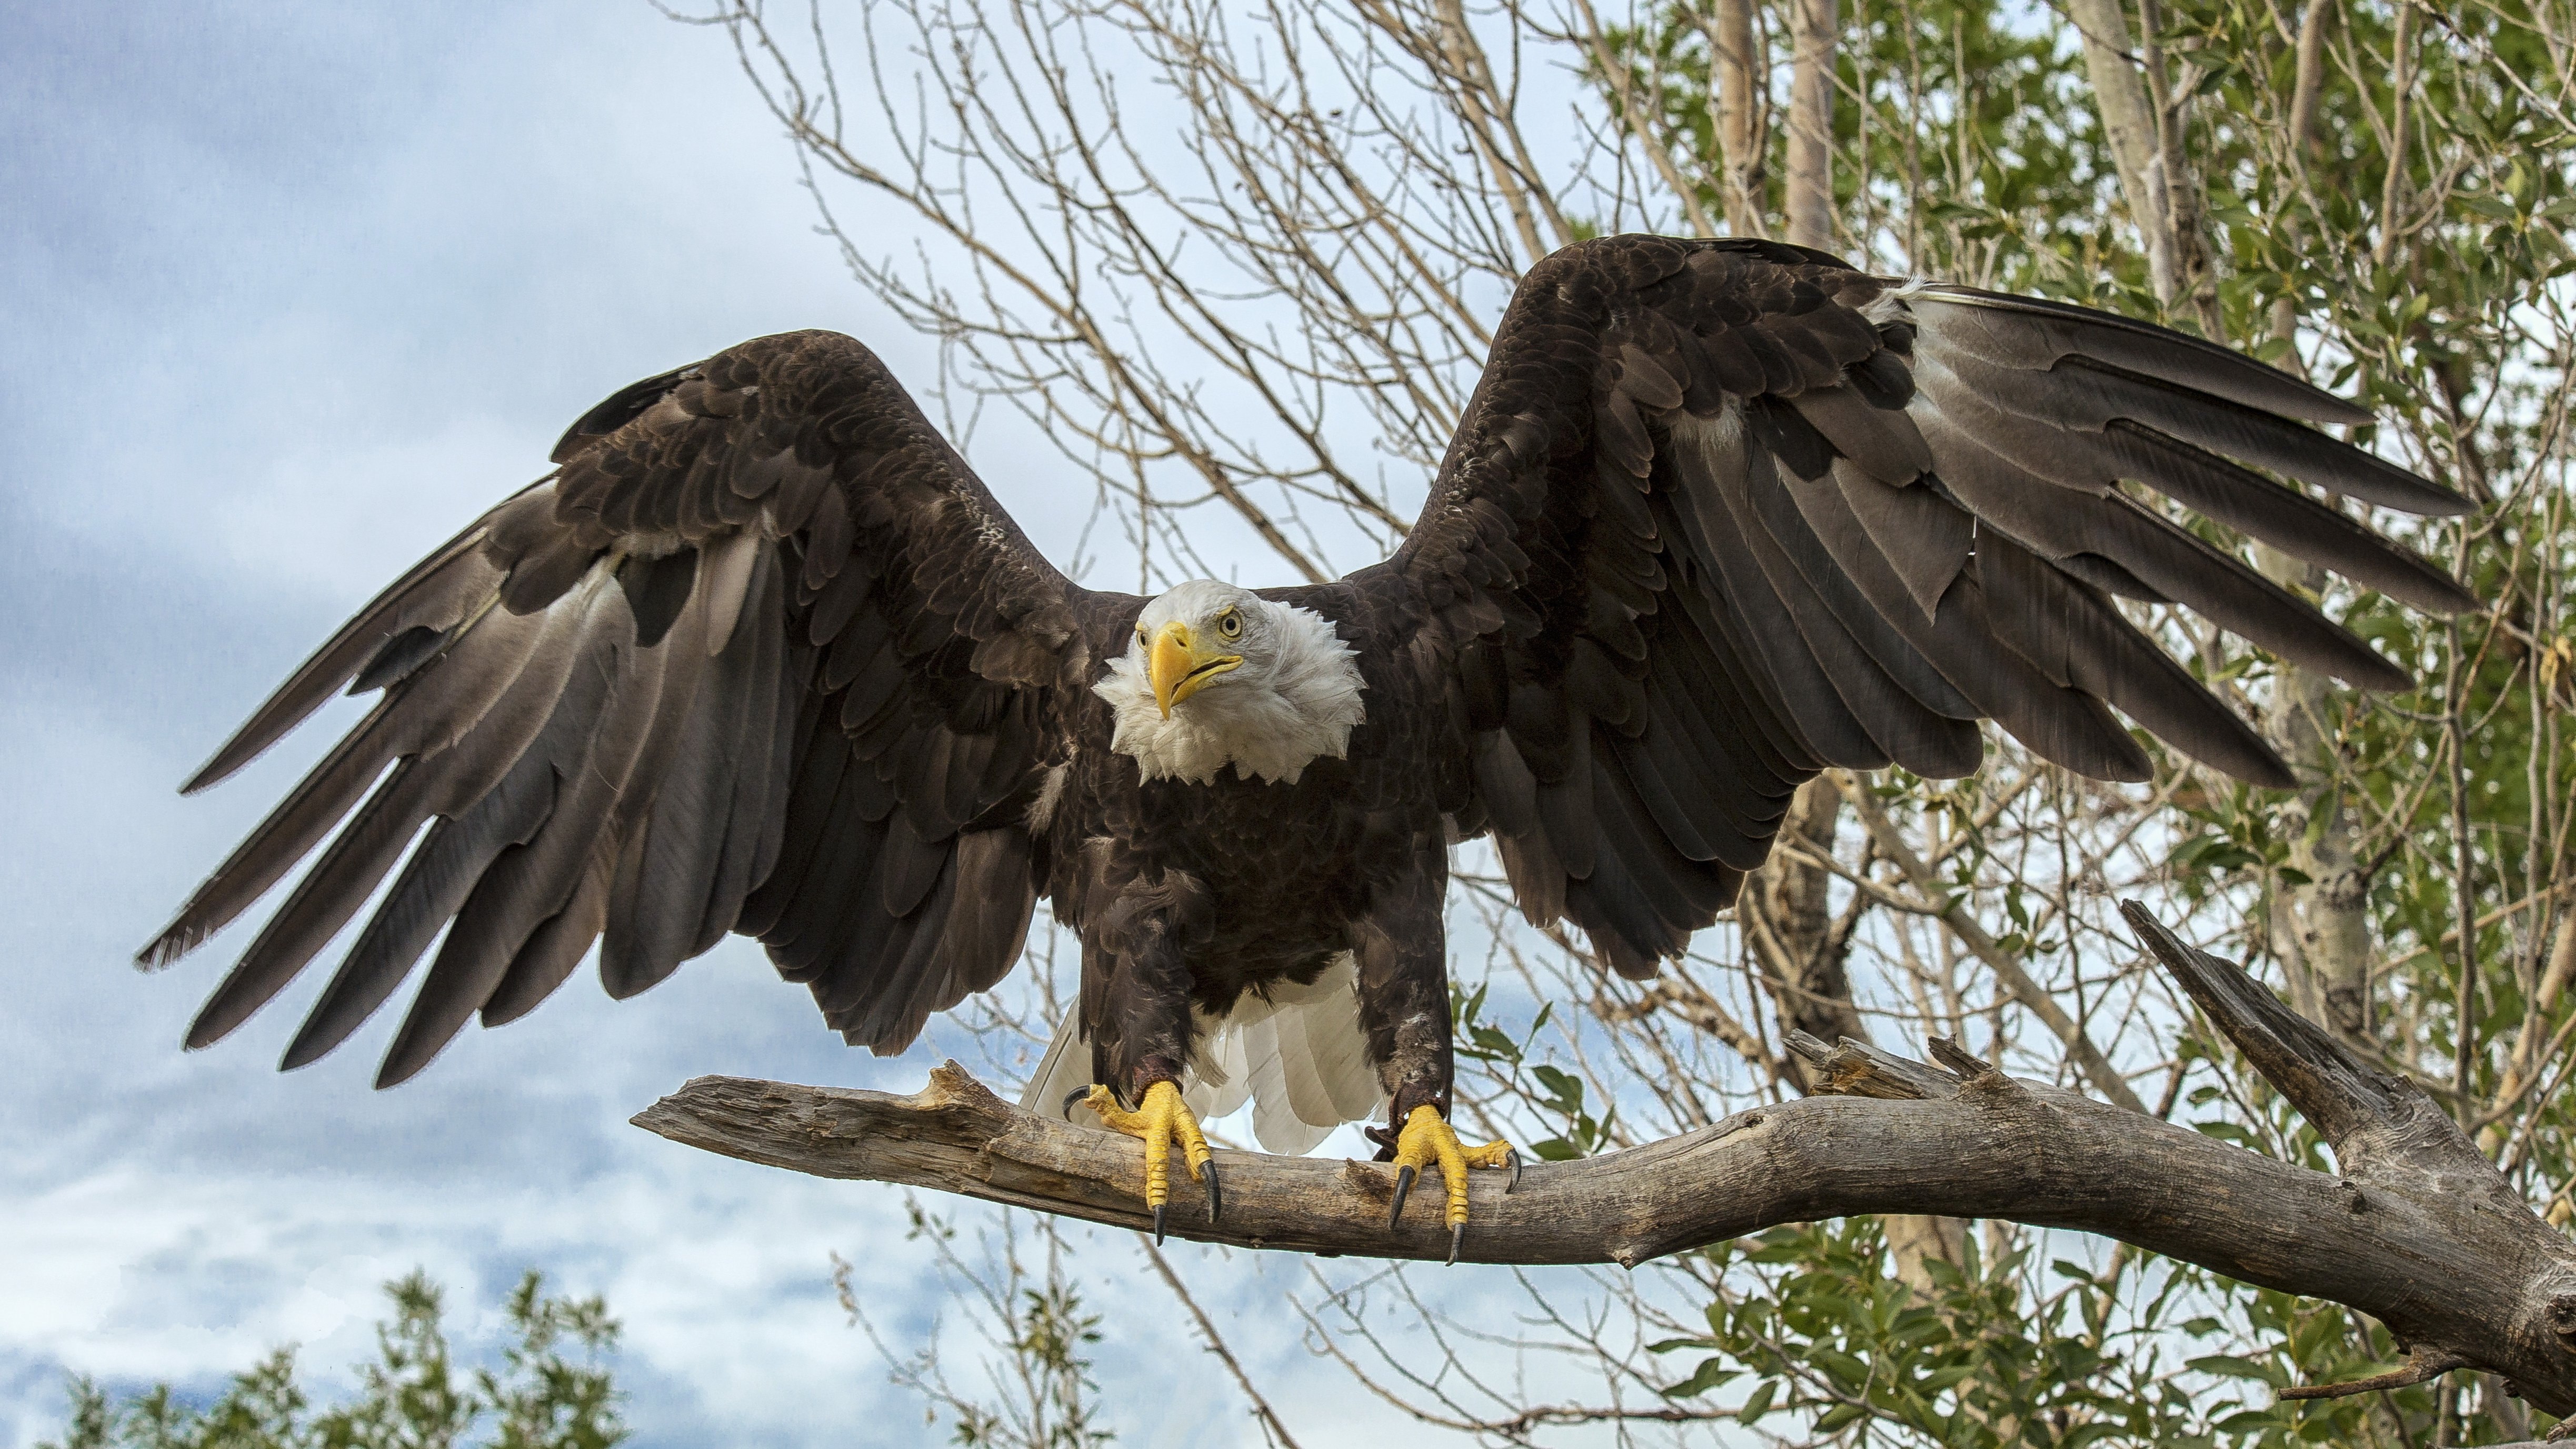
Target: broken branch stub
{"points": [[2505, 1297], [2419, 1230]]}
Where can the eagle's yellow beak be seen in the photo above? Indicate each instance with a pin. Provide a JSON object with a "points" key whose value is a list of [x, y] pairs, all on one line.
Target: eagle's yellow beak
{"points": [[1176, 666]]}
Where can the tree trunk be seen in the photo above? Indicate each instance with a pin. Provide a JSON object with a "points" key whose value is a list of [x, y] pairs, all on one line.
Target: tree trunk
{"points": [[1739, 115], [2128, 113], [2321, 930], [1789, 904], [1810, 203]]}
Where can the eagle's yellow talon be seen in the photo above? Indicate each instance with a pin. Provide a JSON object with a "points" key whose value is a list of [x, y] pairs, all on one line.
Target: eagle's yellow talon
{"points": [[1425, 1141], [1157, 1120]]}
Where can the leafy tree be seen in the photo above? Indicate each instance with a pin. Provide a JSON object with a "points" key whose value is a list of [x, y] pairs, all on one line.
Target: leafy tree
{"points": [[1259, 315], [551, 1390]]}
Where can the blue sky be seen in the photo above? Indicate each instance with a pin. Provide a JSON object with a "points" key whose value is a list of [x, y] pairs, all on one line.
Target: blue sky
{"points": [[292, 293]]}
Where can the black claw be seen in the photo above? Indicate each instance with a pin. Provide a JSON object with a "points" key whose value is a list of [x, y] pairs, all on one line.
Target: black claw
{"points": [[1512, 1160], [1457, 1235], [1158, 1223], [1403, 1185], [1076, 1095], [1215, 1192]]}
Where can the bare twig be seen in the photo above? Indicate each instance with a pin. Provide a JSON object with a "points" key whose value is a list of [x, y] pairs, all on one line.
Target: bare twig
{"points": [[2033, 997], [1269, 1417]]}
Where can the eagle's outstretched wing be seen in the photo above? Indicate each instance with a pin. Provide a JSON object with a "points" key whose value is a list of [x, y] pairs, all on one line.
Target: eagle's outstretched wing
{"points": [[1721, 514], [762, 655]]}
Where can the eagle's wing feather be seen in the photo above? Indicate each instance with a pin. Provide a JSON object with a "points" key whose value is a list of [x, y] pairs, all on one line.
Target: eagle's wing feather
{"points": [[763, 655], [1721, 514]]}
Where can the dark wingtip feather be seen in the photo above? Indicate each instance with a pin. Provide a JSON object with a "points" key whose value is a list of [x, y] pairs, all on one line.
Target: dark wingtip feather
{"points": [[313, 1041], [166, 948], [238, 999], [407, 1059], [266, 727], [2260, 765], [207, 1028], [399, 655], [446, 578], [2177, 357], [216, 767], [2434, 500], [2427, 587]]}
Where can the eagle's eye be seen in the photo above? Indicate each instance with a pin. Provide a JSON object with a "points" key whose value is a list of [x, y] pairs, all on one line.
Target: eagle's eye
{"points": [[1140, 632], [1230, 624]]}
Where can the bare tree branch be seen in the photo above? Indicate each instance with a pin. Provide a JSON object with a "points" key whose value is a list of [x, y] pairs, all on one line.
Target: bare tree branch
{"points": [[2419, 1230]]}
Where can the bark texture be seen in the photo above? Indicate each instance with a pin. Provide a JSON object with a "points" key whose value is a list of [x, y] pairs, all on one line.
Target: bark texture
{"points": [[2129, 123], [1787, 911], [1739, 114], [2322, 928], [2418, 1230], [1810, 202]]}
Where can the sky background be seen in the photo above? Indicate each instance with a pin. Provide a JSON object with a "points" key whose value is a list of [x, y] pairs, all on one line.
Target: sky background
{"points": [[292, 293]]}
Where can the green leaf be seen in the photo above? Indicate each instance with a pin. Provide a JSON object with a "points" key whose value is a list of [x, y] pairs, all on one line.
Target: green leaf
{"points": [[1711, 1373], [1847, 1372], [1759, 1404], [1839, 1415], [1564, 1091], [1769, 1249], [2228, 1366]]}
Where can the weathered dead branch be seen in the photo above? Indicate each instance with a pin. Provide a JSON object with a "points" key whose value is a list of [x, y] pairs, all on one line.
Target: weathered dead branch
{"points": [[2418, 1230]]}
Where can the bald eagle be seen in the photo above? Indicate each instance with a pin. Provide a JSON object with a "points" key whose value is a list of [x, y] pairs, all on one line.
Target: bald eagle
{"points": [[762, 655]]}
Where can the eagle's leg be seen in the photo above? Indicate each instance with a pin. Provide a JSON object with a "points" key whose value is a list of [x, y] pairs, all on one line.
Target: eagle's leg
{"points": [[1404, 1007], [1427, 1140], [1159, 1119]]}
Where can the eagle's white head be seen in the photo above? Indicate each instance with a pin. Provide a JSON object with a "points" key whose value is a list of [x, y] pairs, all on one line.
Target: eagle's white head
{"points": [[1217, 675]]}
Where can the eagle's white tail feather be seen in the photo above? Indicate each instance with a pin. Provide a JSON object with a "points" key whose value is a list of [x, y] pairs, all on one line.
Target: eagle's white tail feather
{"points": [[1300, 1057], [1307, 1039], [1308, 1056], [1066, 1066], [1220, 1079]]}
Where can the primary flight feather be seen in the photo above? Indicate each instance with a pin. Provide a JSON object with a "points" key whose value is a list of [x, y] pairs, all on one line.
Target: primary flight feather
{"points": [[762, 655]]}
